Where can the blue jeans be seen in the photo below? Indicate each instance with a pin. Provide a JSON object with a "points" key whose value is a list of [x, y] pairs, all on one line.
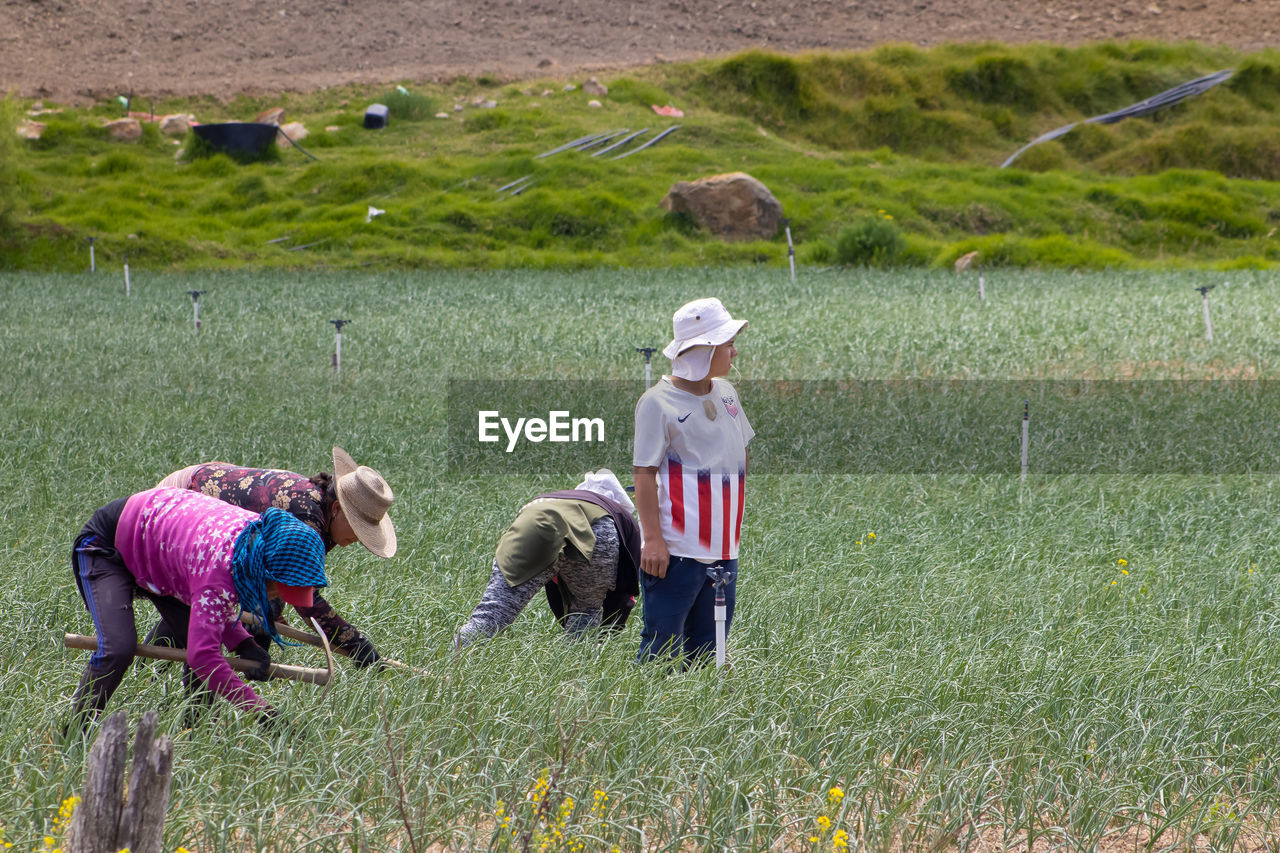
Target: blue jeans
{"points": [[679, 610]]}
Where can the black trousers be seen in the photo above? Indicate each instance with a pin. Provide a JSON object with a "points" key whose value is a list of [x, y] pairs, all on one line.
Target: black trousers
{"points": [[108, 589]]}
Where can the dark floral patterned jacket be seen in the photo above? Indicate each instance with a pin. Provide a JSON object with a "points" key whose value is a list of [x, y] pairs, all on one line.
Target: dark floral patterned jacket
{"points": [[256, 489]]}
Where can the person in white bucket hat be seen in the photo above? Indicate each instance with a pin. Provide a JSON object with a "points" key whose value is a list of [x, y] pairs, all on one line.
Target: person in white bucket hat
{"points": [[348, 506], [690, 462]]}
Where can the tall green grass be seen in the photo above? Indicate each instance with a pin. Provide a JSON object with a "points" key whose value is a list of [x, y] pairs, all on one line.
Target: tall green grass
{"points": [[982, 669], [836, 138]]}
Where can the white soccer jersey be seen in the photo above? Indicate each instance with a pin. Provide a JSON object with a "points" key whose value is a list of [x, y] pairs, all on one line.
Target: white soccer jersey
{"points": [[699, 446]]}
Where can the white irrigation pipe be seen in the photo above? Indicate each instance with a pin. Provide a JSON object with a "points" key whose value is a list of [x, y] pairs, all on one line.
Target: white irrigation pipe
{"points": [[719, 581], [791, 254], [1204, 301], [127, 290], [1026, 429], [337, 353], [648, 368], [195, 305], [982, 292], [93, 266]]}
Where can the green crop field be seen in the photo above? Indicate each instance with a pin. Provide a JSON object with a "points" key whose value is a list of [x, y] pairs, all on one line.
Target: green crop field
{"points": [[921, 659]]}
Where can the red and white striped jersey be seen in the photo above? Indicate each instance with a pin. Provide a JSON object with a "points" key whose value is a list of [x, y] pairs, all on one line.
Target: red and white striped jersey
{"points": [[699, 446]]}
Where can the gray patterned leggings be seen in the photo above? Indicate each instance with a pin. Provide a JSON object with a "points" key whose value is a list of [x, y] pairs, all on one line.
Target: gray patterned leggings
{"points": [[584, 584]]}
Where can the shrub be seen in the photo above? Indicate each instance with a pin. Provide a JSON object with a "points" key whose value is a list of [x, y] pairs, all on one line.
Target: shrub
{"points": [[629, 91], [997, 79], [403, 105], [873, 241]]}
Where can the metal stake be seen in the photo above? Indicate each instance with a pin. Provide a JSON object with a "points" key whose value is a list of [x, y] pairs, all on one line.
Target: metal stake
{"points": [[648, 370], [195, 304], [93, 267], [1026, 428], [337, 353], [127, 290], [982, 293], [1204, 301], [791, 251]]}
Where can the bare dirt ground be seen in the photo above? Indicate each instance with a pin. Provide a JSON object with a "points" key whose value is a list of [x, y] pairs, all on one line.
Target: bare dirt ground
{"points": [[75, 50]]}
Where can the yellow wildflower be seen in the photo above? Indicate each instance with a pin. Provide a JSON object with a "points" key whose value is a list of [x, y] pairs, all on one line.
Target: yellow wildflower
{"points": [[840, 841], [1124, 571], [835, 795], [824, 823], [1122, 561], [870, 535]]}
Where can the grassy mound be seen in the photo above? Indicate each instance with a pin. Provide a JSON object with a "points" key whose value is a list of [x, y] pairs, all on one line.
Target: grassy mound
{"points": [[905, 138]]}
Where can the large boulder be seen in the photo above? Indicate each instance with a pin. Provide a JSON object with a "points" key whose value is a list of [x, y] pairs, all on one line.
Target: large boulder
{"points": [[292, 132], [29, 129], [175, 125], [734, 206], [274, 115], [125, 129]]}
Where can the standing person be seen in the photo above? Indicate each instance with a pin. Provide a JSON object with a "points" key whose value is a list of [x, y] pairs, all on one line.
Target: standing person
{"points": [[346, 507], [580, 544], [690, 462], [200, 562]]}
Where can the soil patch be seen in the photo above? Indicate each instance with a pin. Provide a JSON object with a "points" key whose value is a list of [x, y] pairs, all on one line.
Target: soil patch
{"points": [[77, 50]]}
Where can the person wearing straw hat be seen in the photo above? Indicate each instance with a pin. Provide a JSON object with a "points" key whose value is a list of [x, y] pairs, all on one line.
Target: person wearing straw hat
{"points": [[200, 561], [581, 545], [345, 507], [690, 459]]}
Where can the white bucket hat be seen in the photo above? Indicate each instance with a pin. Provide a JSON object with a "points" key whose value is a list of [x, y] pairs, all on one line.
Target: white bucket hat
{"points": [[700, 323], [365, 498]]}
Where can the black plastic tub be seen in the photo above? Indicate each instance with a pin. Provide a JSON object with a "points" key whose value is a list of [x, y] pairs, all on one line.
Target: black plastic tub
{"points": [[245, 138]]}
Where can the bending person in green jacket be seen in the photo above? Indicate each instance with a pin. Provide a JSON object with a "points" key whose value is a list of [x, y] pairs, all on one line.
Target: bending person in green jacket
{"points": [[581, 545]]}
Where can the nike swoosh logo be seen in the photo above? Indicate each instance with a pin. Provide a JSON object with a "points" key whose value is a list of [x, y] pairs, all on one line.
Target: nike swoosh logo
{"points": [[682, 420]]}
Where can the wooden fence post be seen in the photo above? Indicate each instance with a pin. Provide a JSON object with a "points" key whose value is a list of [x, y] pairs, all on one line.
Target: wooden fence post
{"points": [[104, 822]]}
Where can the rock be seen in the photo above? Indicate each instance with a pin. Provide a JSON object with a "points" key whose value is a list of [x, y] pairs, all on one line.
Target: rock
{"points": [[275, 116], [487, 105], [733, 206], [595, 87], [124, 129], [569, 87], [333, 128], [442, 115], [292, 131], [31, 129], [594, 103], [175, 125], [964, 261]]}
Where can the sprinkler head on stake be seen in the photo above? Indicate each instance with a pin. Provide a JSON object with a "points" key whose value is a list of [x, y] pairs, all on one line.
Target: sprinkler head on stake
{"points": [[338, 324], [195, 295], [647, 351], [1204, 290]]}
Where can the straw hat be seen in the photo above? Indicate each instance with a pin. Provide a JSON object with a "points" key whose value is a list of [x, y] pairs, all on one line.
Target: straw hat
{"points": [[365, 498]]}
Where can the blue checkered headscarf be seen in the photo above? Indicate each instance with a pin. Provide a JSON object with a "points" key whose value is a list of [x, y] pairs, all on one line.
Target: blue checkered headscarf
{"points": [[275, 547]]}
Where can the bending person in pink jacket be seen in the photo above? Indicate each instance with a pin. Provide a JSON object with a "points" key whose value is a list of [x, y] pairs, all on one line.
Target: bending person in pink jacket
{"points": [[200, 562]]}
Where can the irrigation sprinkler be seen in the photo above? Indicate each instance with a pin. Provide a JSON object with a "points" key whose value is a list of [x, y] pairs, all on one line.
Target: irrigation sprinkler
{"points": [[195, 304], [93, 266], [648, 367], [337, 352], [720, 578], [1204, 302], [127, 290], [1026, 431], [791, 251]]}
